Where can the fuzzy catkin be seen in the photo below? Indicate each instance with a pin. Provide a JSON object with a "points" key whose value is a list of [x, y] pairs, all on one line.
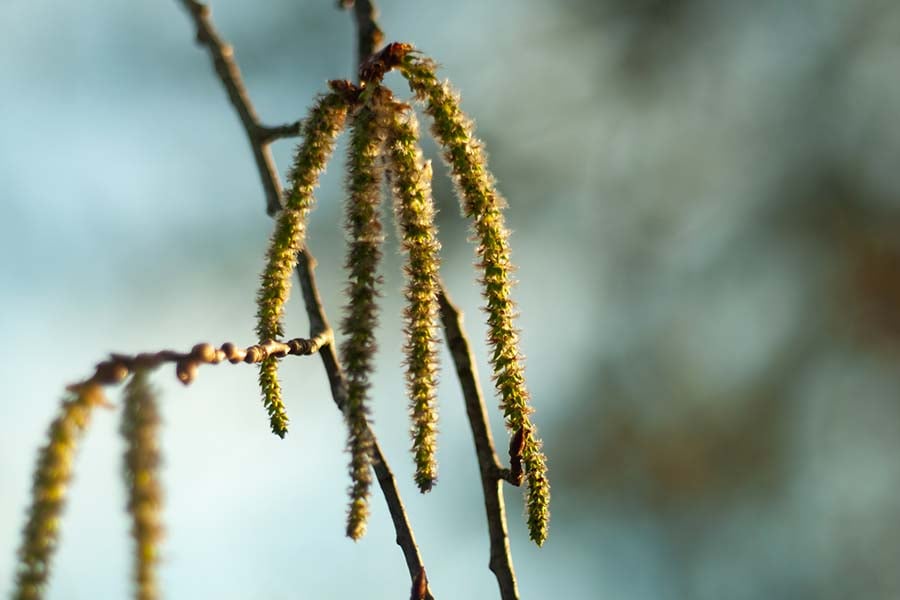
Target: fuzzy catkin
{"points": [[483, 205], [365, 237], [320, 129], [140, 428], [52, 476], [414, 213]]}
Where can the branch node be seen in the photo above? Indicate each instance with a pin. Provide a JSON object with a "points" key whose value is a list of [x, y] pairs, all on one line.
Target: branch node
{"points": [[230, 79], [378, 65]]}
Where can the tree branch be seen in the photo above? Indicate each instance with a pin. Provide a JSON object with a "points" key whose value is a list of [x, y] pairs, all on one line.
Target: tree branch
{"points": [[119, 366], [266, 134], [489, 465], [229, 75], [368, 34]]}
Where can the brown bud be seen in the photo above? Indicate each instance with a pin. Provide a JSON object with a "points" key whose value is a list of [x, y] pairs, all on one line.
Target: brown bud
{"points": [[395, 52], [515, 471], [381, 62], [233, 353], [110, 371], [517, 443], [254, 354], [204, 353], [186, 370], [419, 586]]}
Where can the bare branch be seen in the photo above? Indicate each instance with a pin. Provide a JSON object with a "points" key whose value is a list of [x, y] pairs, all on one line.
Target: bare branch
{"points": [[229, 75], [120, 366], [266, 134], [368, 34], [489, 465]]}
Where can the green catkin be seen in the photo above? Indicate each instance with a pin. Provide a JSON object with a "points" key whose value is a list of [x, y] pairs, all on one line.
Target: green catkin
{"points": [[414, 213], [365, 237], [48, 493], [140, 428], [483, 205], [320, 129]]}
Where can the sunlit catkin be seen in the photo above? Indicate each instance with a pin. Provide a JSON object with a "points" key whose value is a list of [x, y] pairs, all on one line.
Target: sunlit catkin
{"points": [[321, 127], [48, 493], [140, 428], [364, 238], [414, 213], [483, 205]]}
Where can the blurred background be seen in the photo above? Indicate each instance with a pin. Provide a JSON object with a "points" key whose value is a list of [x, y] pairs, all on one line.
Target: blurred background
{"points": [[706, 205]]}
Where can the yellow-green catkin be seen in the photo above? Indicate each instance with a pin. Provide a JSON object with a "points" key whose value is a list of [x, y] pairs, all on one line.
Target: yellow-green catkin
{"points": [[48, 493], [483, 205], [320, 129], [414, 213], [364, 237], [140, 428]]}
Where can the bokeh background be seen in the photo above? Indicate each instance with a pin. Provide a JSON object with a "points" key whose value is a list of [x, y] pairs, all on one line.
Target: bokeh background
{"points": [[706, 204]]}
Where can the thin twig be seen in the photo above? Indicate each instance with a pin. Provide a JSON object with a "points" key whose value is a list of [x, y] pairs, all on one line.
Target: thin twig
{"points": [[229, 75], [266, 134], [489, 465], [120, 366], [368, 34]]}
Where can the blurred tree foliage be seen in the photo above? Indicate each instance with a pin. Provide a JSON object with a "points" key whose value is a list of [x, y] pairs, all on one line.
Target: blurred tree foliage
{"points": [[747, 404]]}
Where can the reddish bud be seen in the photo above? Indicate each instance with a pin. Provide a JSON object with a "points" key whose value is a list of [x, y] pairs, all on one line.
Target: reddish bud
{"points": [[109, 372], [381, 62], [419, 586], [186, 370], [517, 443], [515, 471]]}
